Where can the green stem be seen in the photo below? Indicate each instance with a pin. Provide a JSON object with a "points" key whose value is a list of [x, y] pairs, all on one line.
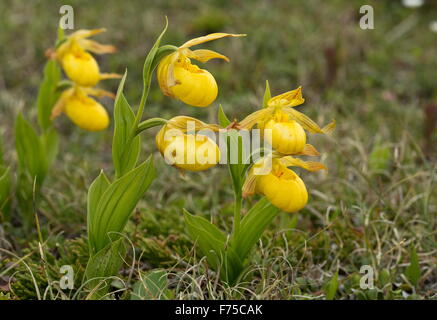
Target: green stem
{"points": [[150, 123], [237, 213], [140, 112]]}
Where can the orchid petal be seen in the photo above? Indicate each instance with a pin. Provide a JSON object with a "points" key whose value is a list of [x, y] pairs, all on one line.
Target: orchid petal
{"points": [[307, 123], [209, 37], [289, 161], [99, 93], [309, 150], [254, 118], [86, 33], [204, 55], [60, 104], [95, 47], [104, 76], [288, 99]]}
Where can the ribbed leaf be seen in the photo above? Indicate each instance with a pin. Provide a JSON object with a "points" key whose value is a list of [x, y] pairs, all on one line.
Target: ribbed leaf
{"points": [[125, 146], [413, 272], [50, 141], [235, 156], [161, 53], [2, 160], [267, 95], [105, 263], [233, 267], [252, 227], [208, 237], [212, 243], [5, 192], [47, 94], [95, 192], [151, 62], [152, 286], [31, 152], [119, 200], [222, 118], [331, 287]]}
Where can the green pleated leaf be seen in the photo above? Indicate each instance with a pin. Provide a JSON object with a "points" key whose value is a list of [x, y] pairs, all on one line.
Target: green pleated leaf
{"points": [[32, 156], [5, 186], [126, 146], [380, 157], [2, 160], [413, 272], [47, 94], [5, 192], [208, 237], [118, 201], [50, 141], [95, 192], [267, 95], [252, 227], [331, 287], [102, 265], [152, 286], [61, 37], [161, 53], [152, 59], [235, 156], [233, 267], [222, 118], [212, 244]]}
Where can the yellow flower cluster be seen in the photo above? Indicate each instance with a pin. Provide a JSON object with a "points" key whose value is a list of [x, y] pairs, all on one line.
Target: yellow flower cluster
{"points": [[83, 70], [280, 124], [284, 128]]}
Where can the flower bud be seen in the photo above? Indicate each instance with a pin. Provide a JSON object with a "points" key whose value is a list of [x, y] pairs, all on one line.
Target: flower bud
{"points": [[287, 137], [179, 79], [81, 67], [194, 86], [86, 113], [191, 152], [283, 188]]}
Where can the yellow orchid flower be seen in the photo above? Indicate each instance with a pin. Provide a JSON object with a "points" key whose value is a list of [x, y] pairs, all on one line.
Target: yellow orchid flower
{"points": [[280, 185], [286, 124], [178, 78], [191, 152], [83, 111], [78, 64]]}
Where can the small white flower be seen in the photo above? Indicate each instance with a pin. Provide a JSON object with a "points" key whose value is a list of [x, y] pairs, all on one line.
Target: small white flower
{"points": [[433, 26], [413, 3]]}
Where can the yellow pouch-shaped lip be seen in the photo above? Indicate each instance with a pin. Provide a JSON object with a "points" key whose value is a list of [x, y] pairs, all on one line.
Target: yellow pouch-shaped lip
{"points": [[81, 68], [86, 113], [198, 88], [285, 190], [180, 79], [190, 152], [286, 137]]}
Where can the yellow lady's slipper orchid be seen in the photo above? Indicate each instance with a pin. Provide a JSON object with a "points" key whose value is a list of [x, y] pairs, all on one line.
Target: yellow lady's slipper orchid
{"points": [[84, 111], [78, 64], [287, 136], [180, 79], [192, 152], [280, 185], [286, 124]]}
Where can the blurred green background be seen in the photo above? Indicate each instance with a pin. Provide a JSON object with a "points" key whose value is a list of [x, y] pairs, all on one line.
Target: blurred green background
{"points": [[379, 196]]}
